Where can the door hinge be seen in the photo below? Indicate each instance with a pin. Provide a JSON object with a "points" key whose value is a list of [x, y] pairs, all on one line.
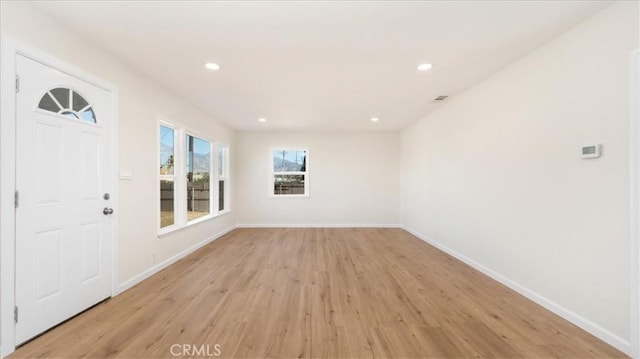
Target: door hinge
{"points": [[16, 199], [17, 83], [15, 314]]}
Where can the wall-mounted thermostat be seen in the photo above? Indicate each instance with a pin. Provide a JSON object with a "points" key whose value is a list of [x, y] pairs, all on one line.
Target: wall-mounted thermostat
{"points": [[591, 151]]}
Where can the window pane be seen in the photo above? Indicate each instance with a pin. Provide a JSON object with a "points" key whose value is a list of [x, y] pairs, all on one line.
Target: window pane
{"points": [[47, 103], [197, 200], [62, 95], [88, 115], [79, 102], [166, 204], [198, 177], [220, 195], [166, 150], [222, 159], [288, 184], [289, 161], [69, 114]]}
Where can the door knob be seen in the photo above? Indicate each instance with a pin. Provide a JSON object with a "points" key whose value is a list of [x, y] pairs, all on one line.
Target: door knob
{"points": [[107, 211]]}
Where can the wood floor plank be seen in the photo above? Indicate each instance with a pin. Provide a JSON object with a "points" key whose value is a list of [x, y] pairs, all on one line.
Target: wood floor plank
{"points": [[319, 293]]}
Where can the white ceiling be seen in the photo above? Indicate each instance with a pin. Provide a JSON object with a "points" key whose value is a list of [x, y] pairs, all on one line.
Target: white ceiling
{"points": [[319, 65]]}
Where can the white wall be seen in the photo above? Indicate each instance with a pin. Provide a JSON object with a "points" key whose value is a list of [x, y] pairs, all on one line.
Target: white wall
{"points": [[496, 175], [140, 101], [354, 179]]}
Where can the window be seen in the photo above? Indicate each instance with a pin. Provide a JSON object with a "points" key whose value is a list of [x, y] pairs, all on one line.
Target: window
{"points": [[289, 172], [223, 174], [198, 177], [68, 103], [167, 176], [188, 191]]}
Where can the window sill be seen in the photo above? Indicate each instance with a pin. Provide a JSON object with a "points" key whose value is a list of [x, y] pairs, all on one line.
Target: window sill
{"points": [[222, 213], [175, 228]]}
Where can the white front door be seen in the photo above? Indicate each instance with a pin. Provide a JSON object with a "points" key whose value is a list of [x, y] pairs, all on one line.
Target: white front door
{"points": [[63, 164]]}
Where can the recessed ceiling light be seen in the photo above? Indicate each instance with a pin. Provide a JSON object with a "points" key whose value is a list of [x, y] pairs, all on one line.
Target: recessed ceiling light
{"points": [[262, 119], [212, 66], [424, 67], [374, 119]]}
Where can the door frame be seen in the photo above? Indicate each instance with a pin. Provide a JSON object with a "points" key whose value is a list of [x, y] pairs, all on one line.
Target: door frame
{"points": [[10, 49], [634, 196]]}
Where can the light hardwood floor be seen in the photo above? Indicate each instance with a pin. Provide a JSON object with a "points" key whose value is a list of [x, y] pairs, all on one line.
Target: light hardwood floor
{"points": [[333, 293]]}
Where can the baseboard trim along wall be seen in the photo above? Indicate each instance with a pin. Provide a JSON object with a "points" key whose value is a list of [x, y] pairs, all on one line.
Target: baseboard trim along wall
{"points": [[572, 317], [129, 283], [322, 225]]}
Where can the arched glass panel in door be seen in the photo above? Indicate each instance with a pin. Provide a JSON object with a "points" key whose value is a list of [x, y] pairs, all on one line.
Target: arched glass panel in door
{"points": [[67, 102]]}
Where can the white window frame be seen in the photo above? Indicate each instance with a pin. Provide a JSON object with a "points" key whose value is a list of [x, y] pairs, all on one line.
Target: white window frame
{"points": [[273, 173], [224, 177], [179, 177]]}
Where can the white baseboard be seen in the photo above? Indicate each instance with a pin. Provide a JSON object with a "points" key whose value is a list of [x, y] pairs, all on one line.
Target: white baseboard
{"points": [[589, 326], [169, 261], [318, 225]]}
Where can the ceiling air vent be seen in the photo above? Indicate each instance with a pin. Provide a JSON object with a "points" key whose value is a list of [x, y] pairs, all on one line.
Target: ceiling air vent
{"points": [[440, 98]]}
